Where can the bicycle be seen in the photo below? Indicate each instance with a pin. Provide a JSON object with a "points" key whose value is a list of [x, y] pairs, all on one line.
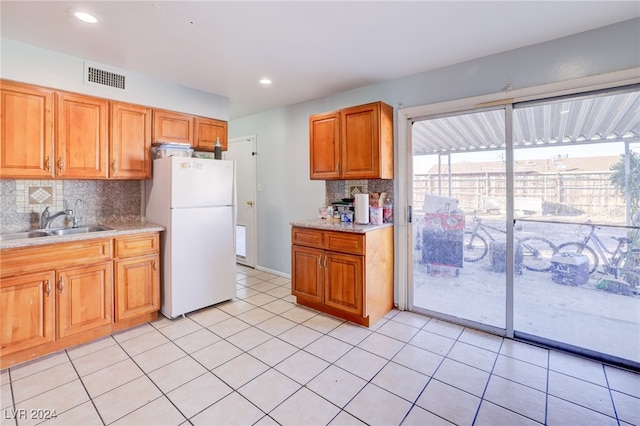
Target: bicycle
{"points": [[615, 264], [536, 251]]}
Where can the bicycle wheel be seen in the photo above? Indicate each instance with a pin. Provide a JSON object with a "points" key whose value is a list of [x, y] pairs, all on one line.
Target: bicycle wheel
{"points": [[628, 268], [536, 253], [474, 247], [581, 249]]}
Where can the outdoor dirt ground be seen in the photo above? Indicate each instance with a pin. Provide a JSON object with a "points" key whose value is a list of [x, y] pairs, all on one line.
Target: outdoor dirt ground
{"points": [[583, 316]]}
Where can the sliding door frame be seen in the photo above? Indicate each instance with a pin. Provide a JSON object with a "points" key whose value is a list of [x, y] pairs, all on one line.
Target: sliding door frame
{"points": [[404, 185]]}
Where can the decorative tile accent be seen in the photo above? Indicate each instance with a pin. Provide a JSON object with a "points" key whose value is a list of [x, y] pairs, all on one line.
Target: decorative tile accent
{"points": [[33, 196], [40, 195], [354, 187]]}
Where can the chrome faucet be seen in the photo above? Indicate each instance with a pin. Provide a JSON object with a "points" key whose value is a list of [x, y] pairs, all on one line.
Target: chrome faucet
{"points": [[46, 218], [75, 208]]}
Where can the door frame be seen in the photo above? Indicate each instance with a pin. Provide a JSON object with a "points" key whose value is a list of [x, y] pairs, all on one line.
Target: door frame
{"points": [[254, 219]]}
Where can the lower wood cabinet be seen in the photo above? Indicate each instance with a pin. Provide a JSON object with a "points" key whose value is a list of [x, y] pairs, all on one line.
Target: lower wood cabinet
{"points": [[84, 299], [346, 274], [308, 273], [344, 282], [58, 295], [137, 281], [27, 303]]}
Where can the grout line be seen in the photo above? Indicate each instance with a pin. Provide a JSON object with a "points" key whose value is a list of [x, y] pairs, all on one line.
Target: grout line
{"points": [[91, 399], [613, 402], [325, 332]]}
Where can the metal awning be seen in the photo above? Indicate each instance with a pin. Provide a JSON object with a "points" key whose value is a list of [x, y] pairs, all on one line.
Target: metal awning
{"points": [[594, 119]]}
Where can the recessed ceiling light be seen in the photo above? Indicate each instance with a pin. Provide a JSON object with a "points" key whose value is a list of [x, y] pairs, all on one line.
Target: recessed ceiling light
{"points": [[84, 16], [265, 81]]}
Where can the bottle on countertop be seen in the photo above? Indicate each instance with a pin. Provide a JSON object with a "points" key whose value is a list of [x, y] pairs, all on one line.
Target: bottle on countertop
{"points": [[217, 149], [387, 211]]}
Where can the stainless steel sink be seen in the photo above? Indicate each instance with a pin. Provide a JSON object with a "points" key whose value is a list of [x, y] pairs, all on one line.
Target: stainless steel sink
{"points": [[83, 230], [51, 232], [22, 235]]}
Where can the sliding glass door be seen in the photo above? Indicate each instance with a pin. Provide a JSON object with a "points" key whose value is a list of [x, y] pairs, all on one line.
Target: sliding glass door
{"points": [[459, 217], [526, 221], [582, 191]]}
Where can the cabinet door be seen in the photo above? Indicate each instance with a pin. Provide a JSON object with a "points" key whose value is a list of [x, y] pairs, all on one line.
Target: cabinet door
{"points": [[207, 131], [172, 127], [360, 142], [307, 273], [26, 131], [324, 146], [81, 144], [84, 298], [137, 287], [344, 282], [26, 308], [130, 147]]}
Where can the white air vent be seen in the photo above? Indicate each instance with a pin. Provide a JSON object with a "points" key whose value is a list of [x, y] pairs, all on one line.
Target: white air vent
{"points": [[99, 76]]}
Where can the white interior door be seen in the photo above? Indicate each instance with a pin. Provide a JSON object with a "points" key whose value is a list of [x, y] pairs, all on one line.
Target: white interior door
{"points": [[243, 152]]}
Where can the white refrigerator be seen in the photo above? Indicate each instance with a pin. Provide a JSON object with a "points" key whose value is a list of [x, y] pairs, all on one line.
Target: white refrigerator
{"points": [[194, 199]]}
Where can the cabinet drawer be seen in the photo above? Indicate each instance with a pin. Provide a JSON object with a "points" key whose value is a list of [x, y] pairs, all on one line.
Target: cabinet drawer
{"points": [[137, 245], [345, 242], [306, 237], [21, 260]]}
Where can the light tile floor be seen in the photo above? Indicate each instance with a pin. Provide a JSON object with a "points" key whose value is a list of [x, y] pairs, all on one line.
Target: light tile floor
{"points": [[260, 359]]}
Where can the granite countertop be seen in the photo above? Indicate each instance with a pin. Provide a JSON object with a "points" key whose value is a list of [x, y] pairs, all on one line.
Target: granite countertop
{"points": [[119, 229], [336, 225]]}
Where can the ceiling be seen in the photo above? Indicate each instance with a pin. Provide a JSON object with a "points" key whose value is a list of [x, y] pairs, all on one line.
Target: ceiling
{"points": [[308, 49]]}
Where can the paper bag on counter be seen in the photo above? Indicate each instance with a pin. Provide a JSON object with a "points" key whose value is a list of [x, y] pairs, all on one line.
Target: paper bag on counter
{"points": [[377, 199]]}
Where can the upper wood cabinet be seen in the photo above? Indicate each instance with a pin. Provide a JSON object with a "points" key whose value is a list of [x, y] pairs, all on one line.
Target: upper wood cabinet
{"points": [[169, 126], [367, 141], [130, 147], [26, 131], [353, 143], [47, 133], [207, 131], [82, 137], [324, 150]]}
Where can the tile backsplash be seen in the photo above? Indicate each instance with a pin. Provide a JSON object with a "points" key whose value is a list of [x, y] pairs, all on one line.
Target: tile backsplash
{"points": [[102, 201], [336, 190]]}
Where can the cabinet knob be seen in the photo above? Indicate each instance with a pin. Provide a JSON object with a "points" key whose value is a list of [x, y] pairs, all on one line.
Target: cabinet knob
{"points": [[155, 266], [48, 288], [61, 284], [60, 163], [114, 166], [47, 163]]}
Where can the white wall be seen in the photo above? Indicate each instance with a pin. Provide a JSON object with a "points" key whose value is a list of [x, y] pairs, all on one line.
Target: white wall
{"points": [[283, 140], [31, 64]]}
